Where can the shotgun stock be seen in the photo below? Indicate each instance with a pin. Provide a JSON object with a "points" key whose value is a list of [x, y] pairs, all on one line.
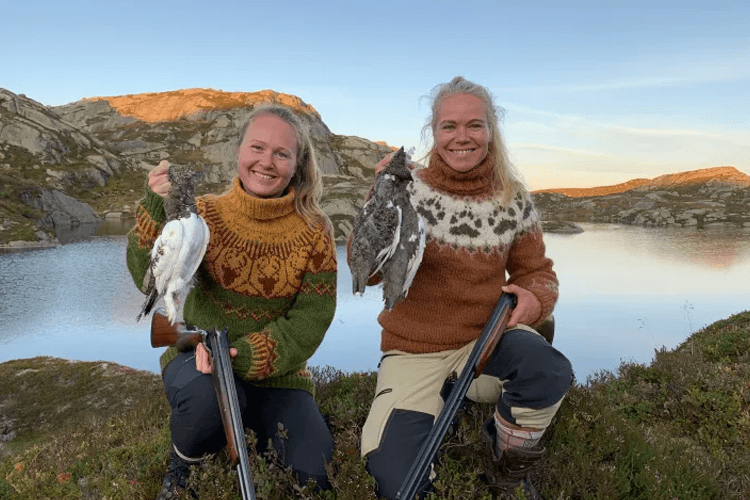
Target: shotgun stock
{"points": [[478, 358], [165, 334]]}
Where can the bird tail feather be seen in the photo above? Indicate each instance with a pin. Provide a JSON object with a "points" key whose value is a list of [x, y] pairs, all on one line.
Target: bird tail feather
{"points": [[150, 301]]}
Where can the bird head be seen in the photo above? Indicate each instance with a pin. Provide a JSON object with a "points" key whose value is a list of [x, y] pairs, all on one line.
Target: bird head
{"points": [[181, 175], [181, 200], [397, 167]]}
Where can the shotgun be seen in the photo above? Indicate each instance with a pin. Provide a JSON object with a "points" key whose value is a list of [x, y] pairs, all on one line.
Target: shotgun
{"points": [[165, 334], [478, 359]]}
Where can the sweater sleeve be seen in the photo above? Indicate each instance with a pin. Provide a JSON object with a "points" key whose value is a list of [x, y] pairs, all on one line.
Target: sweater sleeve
{"points": [[287, 342], [529, 268], [149, 218]]}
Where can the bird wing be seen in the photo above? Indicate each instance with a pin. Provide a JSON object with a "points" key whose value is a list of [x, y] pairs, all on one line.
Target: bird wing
{"points": [[416, 258], [391, 244], [195, 241], [165, 254], [179, 251]]}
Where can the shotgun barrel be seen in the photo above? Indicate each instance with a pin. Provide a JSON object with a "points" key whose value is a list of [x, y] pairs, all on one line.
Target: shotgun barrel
{"points": [[223, 376], [478, 358]]}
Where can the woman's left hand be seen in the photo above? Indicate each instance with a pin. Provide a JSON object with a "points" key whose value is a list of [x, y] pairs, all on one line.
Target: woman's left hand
{"points": [[203, 358], [528, 308]]}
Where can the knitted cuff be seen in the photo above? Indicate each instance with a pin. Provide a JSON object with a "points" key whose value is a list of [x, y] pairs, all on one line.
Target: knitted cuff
{"points": [[256, 354], [547, 293], [154, 206]]}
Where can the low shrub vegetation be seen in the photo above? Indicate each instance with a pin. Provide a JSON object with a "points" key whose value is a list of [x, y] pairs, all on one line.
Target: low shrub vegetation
{"points": [[678, 428]]}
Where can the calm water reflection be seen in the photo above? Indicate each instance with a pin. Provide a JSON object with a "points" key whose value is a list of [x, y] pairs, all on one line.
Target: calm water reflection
{"points": [[625, 291]]}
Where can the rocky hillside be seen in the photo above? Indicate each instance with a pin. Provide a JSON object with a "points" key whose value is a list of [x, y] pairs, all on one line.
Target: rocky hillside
{"points": [[699, 198], [47, 166], [93, 155], [75, 164]]}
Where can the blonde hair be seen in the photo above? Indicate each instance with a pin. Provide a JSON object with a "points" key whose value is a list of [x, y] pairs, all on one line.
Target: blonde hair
{"points": [[506, 178], [306, 180]]}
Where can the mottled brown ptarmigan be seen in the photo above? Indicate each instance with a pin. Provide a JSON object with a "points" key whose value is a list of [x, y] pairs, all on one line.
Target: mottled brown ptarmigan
{"points": [[388, 234]]}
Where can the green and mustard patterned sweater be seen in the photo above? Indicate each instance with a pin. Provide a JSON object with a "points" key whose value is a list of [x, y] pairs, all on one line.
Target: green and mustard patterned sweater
{"points": [[268, 276]]}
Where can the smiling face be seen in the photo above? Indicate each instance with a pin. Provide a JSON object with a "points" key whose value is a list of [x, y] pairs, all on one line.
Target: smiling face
{"points": [[462, 134], [267, 157]]}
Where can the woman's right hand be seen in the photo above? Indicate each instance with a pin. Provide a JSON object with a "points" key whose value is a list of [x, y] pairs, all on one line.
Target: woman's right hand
{"points": [[203, 358], [158, 182]]}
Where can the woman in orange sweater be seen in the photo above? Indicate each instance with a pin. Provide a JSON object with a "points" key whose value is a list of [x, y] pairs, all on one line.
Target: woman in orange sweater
{"points": [[483, 238]]}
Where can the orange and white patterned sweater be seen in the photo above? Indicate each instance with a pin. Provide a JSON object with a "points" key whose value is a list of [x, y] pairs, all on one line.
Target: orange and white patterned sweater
{"points": [[475, 245]]}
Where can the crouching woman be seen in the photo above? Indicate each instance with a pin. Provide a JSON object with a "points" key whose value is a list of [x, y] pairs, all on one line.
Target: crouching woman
{"points": [[483, 239], [269, 276]]}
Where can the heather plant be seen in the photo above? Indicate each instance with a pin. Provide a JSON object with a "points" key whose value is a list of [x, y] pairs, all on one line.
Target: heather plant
{"points": [[676, 428]]}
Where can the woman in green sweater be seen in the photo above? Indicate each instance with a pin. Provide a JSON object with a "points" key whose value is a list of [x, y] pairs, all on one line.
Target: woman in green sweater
{"points": [[269, 276]]}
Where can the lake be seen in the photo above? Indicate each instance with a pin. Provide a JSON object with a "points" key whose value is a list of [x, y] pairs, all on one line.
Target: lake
{"points": [[624, 292]]}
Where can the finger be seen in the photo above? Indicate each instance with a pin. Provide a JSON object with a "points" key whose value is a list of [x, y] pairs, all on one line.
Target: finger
{"points": [[233, 352], [202, 362], [163, 188], [513, 320], [159, 183], [159, 172]]}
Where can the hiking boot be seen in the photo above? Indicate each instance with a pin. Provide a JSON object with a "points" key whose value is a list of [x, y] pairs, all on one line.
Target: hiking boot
{"points": [[511, 469], [174, 485]]}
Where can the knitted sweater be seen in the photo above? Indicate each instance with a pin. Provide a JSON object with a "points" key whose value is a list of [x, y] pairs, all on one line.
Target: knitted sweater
{"points": [[268, 276], [474, 247]]}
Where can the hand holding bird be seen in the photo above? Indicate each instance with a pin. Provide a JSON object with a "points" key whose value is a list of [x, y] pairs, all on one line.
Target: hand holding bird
{"points": [[179, 249], [158, 179]]}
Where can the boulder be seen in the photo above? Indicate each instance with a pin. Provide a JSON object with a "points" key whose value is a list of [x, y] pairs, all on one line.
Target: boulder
{"points": [[62, 210]]}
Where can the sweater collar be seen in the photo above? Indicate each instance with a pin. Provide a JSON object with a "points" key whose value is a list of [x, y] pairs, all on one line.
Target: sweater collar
{"points": [[259, 208], [477, 181]]}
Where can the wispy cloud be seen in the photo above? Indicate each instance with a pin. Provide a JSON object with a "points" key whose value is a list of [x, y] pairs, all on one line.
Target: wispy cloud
{"points": [[557, 149], [581, 126], [659, 74], [741, 72]]}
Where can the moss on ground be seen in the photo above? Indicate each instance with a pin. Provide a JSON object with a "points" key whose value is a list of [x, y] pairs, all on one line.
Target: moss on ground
{"points": [[676, 428]]}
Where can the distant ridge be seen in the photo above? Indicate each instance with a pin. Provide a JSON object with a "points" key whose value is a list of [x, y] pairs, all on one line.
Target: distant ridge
{"points": [[729, 175], [168, 106]]}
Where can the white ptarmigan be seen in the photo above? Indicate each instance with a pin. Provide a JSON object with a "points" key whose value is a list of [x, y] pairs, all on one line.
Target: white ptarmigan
{"points": [[388, 234], [179, 249]]}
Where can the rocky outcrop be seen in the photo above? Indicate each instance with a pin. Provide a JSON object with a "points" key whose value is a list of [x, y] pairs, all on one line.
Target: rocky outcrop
{"points": [[98, 150], [714, 175], [43, 154], [168, 106], [62, 210], [560, 227], [698, 198], [202, 128]]}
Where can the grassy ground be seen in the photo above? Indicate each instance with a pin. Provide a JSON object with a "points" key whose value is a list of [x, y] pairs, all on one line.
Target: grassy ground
{"points": [[678, 428]]}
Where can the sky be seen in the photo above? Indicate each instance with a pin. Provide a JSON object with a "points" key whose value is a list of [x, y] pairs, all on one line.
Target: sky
{"points": [[595, 93]]}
